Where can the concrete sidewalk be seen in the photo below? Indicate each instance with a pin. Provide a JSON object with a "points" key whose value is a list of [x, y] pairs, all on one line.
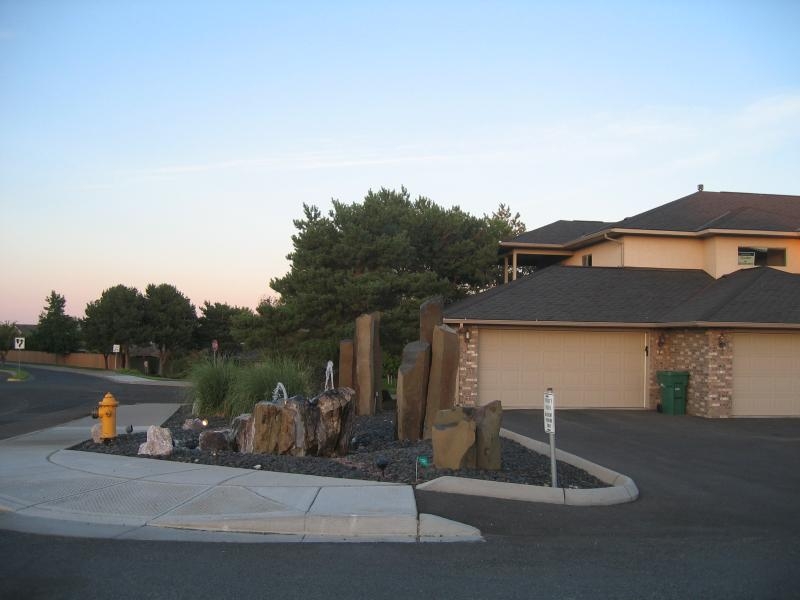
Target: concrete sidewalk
{"points": [[47, 489]]}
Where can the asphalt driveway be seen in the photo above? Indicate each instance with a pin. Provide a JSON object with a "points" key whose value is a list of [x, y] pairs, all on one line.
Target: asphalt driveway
{"points": [[719, 501]]}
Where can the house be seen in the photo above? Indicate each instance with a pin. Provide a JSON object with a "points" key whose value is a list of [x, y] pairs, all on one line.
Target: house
{"points": [[709, 284]]}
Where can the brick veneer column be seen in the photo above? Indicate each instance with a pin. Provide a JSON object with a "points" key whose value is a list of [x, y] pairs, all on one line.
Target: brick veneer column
{"points": [[710, 368], [468, 366]]}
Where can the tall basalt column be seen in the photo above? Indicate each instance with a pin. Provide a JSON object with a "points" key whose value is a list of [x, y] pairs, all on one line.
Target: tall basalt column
{"points": [[430, 317], [443, 376], [368, 362], [346, 366], [412, 389]]}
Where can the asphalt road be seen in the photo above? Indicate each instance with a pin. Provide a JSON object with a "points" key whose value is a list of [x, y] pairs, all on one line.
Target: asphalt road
{"points": [[717, 518], [54, 396]]}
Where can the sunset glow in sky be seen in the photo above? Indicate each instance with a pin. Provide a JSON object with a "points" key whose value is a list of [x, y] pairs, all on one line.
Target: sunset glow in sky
{"points": [[175, 142]]}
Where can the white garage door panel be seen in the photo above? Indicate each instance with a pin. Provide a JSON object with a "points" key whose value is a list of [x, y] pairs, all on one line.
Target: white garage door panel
{"points": [[766, 374], [586, 369]]}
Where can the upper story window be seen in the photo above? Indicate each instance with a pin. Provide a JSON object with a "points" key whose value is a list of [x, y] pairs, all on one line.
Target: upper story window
{"points": [[586, 260], [762, 257]]}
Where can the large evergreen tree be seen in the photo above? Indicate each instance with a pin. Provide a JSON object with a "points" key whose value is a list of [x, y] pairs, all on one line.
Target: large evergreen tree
{"points": [[388, 253], [170, 319], [216, 323], [56, 332], [117, 317]]}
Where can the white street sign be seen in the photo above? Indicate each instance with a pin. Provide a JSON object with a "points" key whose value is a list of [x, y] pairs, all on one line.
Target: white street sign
{"points": [[549, 411], [115, 348], [19, 343]]}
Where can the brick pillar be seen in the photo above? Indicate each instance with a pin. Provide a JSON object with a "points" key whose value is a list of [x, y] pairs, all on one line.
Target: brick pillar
{"points": [[468, 366]]}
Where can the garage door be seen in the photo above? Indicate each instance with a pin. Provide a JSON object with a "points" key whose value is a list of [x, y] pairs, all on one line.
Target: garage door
{"points": [[594, 369], [766, 374]]}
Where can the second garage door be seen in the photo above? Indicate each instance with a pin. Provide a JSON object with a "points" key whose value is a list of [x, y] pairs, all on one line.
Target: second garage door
{"points": [[766, 375], [594, 369]]}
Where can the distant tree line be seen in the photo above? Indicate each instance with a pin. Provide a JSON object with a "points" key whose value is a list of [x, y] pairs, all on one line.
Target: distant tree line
{"points": [[388, 253]]}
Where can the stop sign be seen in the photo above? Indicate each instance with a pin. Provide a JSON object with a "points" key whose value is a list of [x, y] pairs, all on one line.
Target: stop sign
{"points": [[214, 345]]}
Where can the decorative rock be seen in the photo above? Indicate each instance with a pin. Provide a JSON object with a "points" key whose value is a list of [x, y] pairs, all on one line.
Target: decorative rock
{"points": [[430, 316], [96, 433], [159, 442], [242, 433], [215, 440], [488, 420], [367, 350], [443, 376], [317, 427], [454, 445], [193, 425], [346, 365], [412, 387], [449, 437]]}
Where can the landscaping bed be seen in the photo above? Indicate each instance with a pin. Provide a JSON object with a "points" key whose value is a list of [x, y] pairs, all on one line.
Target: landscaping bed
{"points": [[372, 441]]}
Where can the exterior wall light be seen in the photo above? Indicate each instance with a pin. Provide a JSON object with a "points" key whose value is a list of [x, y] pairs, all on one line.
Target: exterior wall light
{"points": [[721, 341], [662, 339]]}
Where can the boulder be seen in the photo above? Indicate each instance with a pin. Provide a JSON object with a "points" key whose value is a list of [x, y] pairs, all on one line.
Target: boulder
{"points": [[193, 425], [412, 389], [215, 440], [430, 316], [450, 435], [346, 366], [488, 420], [317, 427], [367, 350], [159, 442], [97, 437], [442, 382], [454, 445], [242, 433]]}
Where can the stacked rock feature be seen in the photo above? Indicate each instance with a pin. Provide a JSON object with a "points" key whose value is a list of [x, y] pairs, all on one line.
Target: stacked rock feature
{"points": [[468, 438], [300, 427], [367, 349], [436, 379]]}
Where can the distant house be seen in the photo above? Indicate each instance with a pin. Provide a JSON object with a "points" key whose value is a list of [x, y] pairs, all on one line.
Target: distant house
{"points": [[709, 283]]}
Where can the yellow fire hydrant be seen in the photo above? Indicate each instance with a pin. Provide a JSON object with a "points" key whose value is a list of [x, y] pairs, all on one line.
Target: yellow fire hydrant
{"points": [[106, 411]]}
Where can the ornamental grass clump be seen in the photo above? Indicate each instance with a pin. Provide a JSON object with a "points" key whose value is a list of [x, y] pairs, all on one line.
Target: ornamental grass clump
{"points": [[257, 382], [211, 386]]}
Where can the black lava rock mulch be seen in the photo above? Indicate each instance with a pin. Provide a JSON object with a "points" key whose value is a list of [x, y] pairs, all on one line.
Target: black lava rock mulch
{"points": [[373, 443]]}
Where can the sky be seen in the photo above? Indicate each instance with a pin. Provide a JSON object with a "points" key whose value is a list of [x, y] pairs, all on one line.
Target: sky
{"points": [[175, 142]]}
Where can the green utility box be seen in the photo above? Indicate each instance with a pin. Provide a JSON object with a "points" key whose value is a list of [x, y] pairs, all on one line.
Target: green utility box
{"points": [[673, 391]]}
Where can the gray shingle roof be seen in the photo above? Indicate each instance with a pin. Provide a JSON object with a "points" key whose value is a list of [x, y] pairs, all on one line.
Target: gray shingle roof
{"points": [[761, 295], [560, 232], [695, 212], [638, 296], [721, 210]]}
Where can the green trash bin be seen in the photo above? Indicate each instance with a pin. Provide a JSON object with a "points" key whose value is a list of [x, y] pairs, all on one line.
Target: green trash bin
{"points": [[673, 391]]}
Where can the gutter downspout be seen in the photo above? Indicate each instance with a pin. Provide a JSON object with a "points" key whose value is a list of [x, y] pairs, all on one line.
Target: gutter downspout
{"points": [[621, 249]]}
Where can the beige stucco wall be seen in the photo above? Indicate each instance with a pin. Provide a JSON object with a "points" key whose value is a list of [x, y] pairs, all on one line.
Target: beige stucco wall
{"points": [[604, 254], [722, 253], [663, 252]]}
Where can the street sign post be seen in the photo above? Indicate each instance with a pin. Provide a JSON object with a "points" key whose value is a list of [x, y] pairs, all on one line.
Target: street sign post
{"points": [[115, 349], [550, 428], [19, 344], [215, 347]]}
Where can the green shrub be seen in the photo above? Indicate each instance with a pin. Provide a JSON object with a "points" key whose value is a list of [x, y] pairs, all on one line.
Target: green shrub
{"points": [[257, 382], [211, 386]]}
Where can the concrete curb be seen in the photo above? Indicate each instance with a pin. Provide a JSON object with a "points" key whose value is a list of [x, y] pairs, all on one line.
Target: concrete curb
{"points": [[623, 489]]}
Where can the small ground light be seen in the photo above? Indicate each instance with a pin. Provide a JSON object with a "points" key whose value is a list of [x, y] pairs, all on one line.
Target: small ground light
{"points": [[421, 460], [129, 429], [382, 462], [204, 422]]}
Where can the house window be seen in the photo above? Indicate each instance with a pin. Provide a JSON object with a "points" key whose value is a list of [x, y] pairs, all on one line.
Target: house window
{"points": [[586, 260], [762, 257]]}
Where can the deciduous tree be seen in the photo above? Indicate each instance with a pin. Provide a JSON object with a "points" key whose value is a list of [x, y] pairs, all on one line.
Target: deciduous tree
{"points": [[117, 317], [170, 319]]}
